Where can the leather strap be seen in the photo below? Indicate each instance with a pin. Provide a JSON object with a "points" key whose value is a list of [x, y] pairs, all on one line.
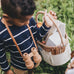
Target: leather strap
{"points": [[32, 35], [5, 23]]}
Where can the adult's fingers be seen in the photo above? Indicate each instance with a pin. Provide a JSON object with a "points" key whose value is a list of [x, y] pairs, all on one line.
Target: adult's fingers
{"points": [[55, 17], [52, 13]]}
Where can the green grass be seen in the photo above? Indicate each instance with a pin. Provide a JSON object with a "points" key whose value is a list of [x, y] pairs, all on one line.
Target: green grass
{"points": [[64, 10]]}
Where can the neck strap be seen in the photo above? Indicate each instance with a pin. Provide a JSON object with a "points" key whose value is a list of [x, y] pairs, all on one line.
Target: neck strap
{"points": [[32, 35]]}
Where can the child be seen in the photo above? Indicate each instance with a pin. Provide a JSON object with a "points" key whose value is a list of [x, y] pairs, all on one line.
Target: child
{"points": [[70, 67], [18, 14]]}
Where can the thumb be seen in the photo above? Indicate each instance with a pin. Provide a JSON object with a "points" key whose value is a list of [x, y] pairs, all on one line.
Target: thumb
{"points": [[47, 19], [45, 14]]}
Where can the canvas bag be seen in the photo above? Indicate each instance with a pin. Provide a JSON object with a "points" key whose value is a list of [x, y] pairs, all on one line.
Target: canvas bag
{"points": [[53, 54]]}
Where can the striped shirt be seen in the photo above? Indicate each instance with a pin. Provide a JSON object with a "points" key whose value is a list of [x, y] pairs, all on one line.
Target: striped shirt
{"points": [[24, 41]]}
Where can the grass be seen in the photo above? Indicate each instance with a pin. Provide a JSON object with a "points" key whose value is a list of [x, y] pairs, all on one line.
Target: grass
{"points": [[64, 10]]}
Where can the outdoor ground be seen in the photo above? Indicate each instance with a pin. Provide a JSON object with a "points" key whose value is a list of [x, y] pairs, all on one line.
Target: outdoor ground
{"points": [[65, 13]]}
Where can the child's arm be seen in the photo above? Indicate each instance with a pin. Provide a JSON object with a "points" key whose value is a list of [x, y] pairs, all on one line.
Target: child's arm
{"points": [[39, 33], [3, 62]]}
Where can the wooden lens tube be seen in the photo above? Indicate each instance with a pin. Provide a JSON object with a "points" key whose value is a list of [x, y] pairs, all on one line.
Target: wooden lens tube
{"points": [[27, 58]]}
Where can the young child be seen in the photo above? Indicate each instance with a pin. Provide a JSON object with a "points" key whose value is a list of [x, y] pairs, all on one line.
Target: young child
{"points": [[18, 14], [70, 67]]}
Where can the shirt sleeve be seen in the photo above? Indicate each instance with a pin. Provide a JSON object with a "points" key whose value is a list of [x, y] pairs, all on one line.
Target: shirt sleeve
{"points": [[39, 33], [3, 62]]}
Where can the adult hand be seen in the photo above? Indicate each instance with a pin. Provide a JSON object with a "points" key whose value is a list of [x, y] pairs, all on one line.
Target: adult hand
{"points": [[53, 14]]}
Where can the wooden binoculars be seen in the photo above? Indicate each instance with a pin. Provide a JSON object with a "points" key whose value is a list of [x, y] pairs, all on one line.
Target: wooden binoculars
{"points": [[36, 57]]}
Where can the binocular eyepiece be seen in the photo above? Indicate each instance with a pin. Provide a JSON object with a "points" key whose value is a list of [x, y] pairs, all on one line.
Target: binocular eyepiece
{"points": [[36, 57]]}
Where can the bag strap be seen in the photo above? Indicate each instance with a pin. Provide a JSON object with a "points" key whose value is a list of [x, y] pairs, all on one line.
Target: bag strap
{"points": [[5, 23]]}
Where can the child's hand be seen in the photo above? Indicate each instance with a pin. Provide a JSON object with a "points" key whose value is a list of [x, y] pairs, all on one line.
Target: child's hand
{"points": [[9, 72], [47, 20]]}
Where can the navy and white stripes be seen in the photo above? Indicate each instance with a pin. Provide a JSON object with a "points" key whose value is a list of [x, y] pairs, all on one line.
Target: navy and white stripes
{"points": [[24, 41]]}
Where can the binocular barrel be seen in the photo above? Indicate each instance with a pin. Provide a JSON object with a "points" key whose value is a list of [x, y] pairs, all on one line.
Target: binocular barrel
{"points": [[27, 58]]}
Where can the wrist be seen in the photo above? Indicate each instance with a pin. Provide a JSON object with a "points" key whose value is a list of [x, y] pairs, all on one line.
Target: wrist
{"points": [[47, 25]]}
